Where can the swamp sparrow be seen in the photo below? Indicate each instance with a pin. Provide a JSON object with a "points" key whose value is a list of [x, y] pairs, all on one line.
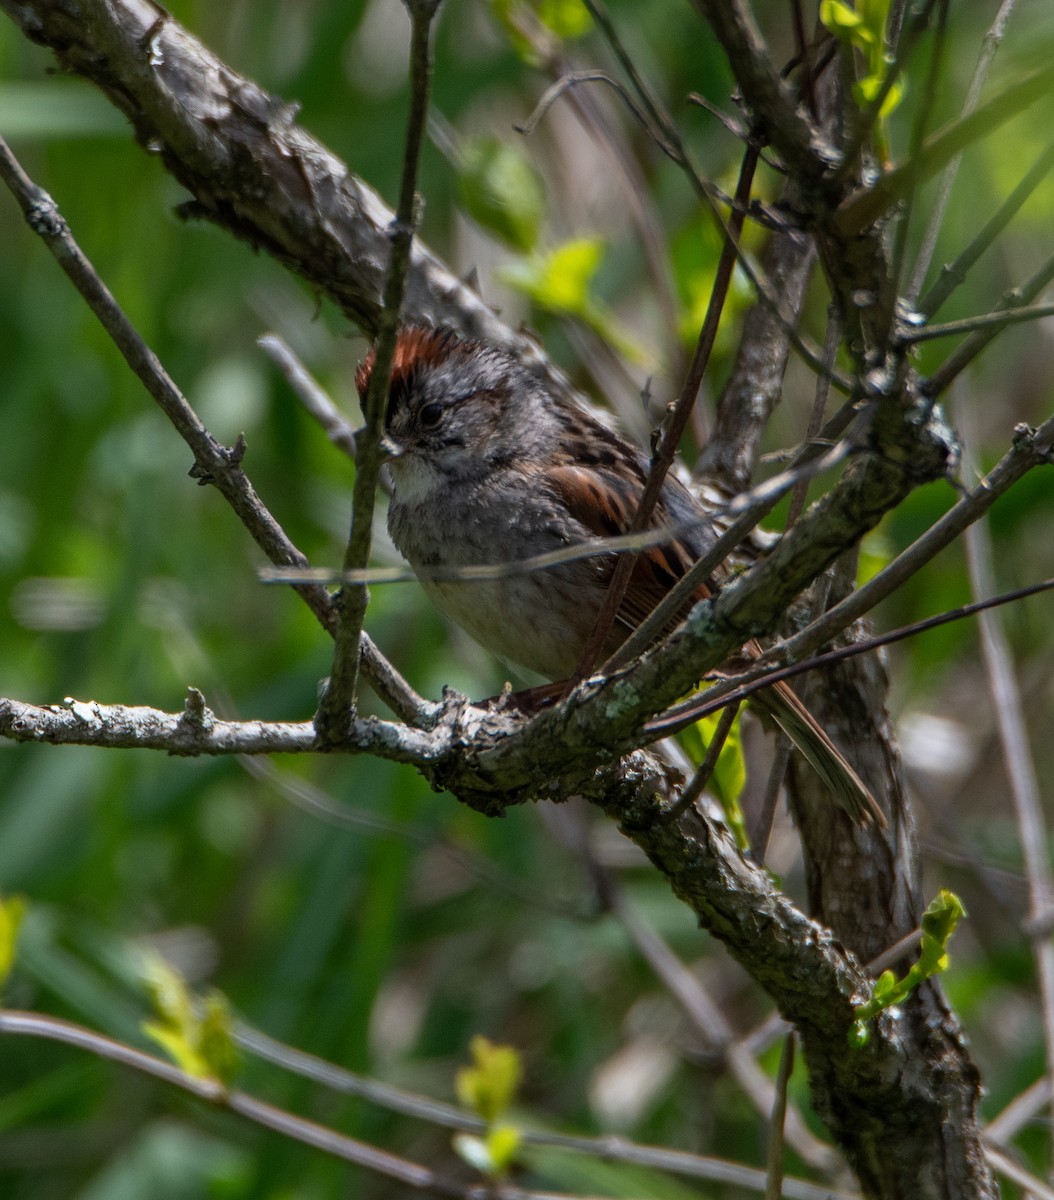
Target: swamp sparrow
{"points": [[489, 467]]}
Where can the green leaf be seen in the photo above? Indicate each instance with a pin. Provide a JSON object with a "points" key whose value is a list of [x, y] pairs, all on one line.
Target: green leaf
{"points": [[565, 18], [840, 18], [501, 191], [866, 90], [200, 1043], [938, 924], [503, 1144], [489, 1086], [12, 910], [942, 916], [560, 280]]}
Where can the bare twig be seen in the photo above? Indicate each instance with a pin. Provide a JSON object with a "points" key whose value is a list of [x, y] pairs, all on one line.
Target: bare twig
{"points": [[904, 43], [573, 79], [708, 1019], [1021, 772], [695, 786], [963, 355], [990, 45], [919, 124], [995, 321], [741, 687], [666, 450], [759, 837], [774, 1165], [1020, 1111], [865, 206], [404, 1172], [310, 393], [953, 274], [819, 405], [1006, 1166], [756, 504], [335, 711]]}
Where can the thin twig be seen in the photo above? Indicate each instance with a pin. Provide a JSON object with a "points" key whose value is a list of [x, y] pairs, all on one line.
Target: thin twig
{"points": [[918, 130], [866, 205], [625, 543], [404, 1172], [759, 838], [905, 43], [335, 711], [1034, 1188], [664, 454], [953, 274], [742, 686], [774, 1164], [992, 320], [963, 355], [309, 392], [801, 37], [992, 40], [819, 405], [1021, 773], [749, 509], [695, 786], [1022, 1110], [1030, 449], [573, 79]]}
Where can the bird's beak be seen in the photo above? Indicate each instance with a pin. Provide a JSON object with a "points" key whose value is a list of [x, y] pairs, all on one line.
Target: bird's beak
{"points": [[390, 448]]}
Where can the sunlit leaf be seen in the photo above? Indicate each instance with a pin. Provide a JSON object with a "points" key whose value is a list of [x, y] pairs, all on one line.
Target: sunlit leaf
{"points": [[489, 1085], [12, 910], [501, 191], [200, 1043]]}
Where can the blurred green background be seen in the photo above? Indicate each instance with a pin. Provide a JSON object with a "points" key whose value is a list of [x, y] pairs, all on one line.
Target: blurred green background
{"points": [[382, 926]]}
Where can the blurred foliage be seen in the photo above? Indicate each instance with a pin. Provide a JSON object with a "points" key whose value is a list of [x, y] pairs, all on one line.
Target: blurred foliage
{"points": [[371, 922]]}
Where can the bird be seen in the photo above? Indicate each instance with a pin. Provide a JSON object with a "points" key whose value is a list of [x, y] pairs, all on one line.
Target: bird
{"points": [[489, 465]]}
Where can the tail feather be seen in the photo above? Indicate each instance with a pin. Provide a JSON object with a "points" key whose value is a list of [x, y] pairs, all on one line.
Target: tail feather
{"points": [[812, 741]]}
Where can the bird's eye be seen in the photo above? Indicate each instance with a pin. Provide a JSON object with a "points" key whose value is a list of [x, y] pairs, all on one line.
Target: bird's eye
{"points": [[430, 414]]}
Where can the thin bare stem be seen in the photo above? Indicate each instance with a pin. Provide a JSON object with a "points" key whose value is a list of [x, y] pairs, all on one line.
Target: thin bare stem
{"points": [[1022, 1110], [992, 40], [435, 1112], [774, 1187], [309, 392], [759, 839], [819, 405], [863, 208], [954, 274], [664, 454], [1021, 772], [573, 79], [962, 356], [741, 687], [1030, 449], [918, 130], [695, 786], [905, 43], [335, 712], [812, 460], [992, 320], [407, 1174]]}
